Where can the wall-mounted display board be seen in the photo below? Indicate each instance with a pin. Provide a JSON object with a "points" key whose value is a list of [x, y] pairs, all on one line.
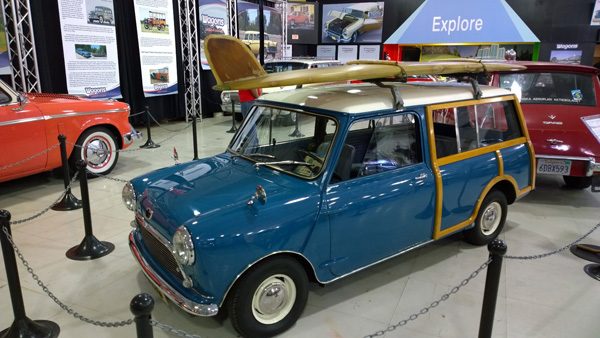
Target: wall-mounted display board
{"points": [[213, 20], [90, 48], [326, 52], [352, 22], [156, 39], [4, 61], [369, 52], [248, 29], [347, 52], [596, 14], [301, 23]]}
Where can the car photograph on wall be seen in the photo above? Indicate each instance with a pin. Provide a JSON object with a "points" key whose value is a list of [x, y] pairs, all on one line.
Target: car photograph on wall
{"points": [[360, 22], [378, 169]]}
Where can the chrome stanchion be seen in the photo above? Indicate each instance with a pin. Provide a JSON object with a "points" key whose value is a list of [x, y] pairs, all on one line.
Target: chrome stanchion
{"points": [[69, 201], [141, 306], [22, 327], [497, 249], [90, 247], [590, 253]]}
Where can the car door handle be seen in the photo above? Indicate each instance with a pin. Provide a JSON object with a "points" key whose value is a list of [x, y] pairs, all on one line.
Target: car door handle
{"points": [[421, 177]]}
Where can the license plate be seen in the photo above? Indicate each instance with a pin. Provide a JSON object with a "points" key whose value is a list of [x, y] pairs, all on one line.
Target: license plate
{"points": [[553, 167]]}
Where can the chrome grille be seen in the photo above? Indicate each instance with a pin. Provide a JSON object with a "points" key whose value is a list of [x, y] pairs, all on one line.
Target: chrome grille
{"points": [[160, 252]]}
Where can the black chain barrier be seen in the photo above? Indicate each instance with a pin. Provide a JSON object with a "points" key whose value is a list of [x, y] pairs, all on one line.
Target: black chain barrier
{"points": [[27, 159]]}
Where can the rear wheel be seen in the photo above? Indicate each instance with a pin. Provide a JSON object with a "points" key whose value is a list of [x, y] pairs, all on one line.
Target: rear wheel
{"points": [[101, 19], [577, 182], [97, 146], [490, 219], [269, 298]]}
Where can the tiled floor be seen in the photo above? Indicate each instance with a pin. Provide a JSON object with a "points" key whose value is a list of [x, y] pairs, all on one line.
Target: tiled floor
{"points": [[550, 297]]}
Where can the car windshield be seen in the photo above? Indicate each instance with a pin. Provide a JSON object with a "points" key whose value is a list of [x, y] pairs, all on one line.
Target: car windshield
{"points": [[278, 67], [355, 13], [293, 142], [551, 88]]}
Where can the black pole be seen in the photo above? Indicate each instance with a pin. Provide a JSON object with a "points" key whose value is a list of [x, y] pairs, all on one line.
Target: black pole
{"points": [[296, 132], [149, 143], [261, 30], [233, 128], [69, 201], [22, 327], [593, 270], [141, 306], [90, 247], [195, 136], [497, 249]]}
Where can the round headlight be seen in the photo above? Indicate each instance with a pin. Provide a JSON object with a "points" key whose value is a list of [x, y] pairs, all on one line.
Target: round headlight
{"points": [[225, 97], [183, 247], [128, 195]]}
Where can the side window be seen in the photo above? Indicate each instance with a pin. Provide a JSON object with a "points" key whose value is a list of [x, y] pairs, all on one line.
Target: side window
{"points": [[464, 128], [4, 97], [378, 145]]}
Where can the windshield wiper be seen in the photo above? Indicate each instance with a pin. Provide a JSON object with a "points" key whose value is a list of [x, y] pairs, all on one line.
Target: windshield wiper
{"points": [[258, 164], [254, 155]]}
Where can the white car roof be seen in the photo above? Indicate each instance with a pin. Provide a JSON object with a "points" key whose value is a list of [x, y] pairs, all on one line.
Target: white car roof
{"points": [[359, 98]]}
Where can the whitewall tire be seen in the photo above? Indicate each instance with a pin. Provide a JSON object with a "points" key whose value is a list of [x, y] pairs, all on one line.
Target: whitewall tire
{"points": [[98, 148], [490, 219]]}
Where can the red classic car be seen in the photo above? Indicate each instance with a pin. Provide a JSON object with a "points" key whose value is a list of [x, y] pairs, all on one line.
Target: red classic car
{"points": [[561, 103], [31, 123]]}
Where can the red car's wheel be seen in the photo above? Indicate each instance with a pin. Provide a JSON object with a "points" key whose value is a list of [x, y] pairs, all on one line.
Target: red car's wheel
{"points": [[98, 148]]}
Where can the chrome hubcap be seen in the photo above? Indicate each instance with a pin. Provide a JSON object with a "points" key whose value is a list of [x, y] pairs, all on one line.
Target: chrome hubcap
{"points": [[273, 299], [97, 152], [490, 220]]}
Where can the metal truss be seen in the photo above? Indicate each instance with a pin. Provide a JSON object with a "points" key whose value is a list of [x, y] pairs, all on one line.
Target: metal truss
{"points": [[190, 53], [232, 11], [21, 45]]}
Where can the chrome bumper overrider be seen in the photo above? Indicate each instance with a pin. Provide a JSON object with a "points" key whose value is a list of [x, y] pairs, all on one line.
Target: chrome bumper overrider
{"points": [[184, 303], [132, 135]]}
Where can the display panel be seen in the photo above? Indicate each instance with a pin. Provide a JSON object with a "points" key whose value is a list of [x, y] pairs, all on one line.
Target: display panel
{"points": [[326, 52], [369, 52], [213, 20], [90, 48], [566, 56], [301, 24], [352, 23], [347, 52], [248, 29]]}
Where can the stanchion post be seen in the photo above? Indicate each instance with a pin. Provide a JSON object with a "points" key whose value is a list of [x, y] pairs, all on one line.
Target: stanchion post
{"points": [[90, 247], [497, 249], [233, 128], [149, 143], [296, 132], [22, 327], [195, 135], [141, 306], [69, 201]]}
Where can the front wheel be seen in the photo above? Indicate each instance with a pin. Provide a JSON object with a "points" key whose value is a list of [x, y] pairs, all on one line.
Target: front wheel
{"points": [[490, 219], [354, 37], [98, 148], [269, 298], [577, 182]]}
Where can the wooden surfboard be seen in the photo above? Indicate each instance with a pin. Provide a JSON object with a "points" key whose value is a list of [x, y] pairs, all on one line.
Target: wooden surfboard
{"points": [[235, 67]]}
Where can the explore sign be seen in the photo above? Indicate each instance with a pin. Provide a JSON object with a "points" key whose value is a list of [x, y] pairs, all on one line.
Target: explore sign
{"points": [[462, 21]]}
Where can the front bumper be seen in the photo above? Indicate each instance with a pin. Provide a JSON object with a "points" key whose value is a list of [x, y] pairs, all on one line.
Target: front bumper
{"points": [[187, 305], [129, 137], [338, 37]]}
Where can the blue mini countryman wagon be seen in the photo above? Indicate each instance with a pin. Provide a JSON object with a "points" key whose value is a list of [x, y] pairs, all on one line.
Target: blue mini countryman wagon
{"points": [[358, 180]]}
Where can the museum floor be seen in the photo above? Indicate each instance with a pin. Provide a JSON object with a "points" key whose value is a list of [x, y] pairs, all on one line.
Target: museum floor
{"points": [[549, 297]]}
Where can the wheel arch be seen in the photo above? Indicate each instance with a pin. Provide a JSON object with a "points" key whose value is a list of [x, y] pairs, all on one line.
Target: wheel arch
{"points": [[298, 257], [507, 188], [112, 128]]}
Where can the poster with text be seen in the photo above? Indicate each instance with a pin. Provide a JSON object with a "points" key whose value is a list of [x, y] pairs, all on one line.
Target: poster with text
{"points": [[249, 31], [368, 52], [90, 48], [326, 52], [156, 39], [213, 20], [596, 14], [301, 24], [347, 52], [352, 23]]}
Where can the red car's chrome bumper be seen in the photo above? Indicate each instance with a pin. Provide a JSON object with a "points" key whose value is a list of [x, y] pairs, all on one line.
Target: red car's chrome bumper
{"points": [[184, 303], [582, 166]]}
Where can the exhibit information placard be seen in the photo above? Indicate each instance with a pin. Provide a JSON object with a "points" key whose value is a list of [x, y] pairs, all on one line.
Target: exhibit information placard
{"points": [[326, 52], [368, 52], [596, 14], [156, 39], [347, 52], [213, 20], [90, 48]]}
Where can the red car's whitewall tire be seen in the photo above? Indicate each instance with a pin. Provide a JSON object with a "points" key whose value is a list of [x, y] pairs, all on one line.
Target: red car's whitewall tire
{"points": [[98, 148]]}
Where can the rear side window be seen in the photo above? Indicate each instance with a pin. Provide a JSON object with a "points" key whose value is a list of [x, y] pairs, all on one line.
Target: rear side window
{"points": [[463, 128], [552, 88]]}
